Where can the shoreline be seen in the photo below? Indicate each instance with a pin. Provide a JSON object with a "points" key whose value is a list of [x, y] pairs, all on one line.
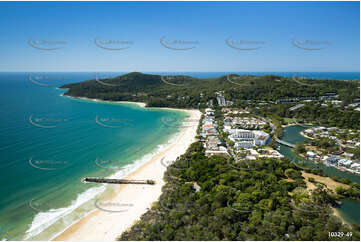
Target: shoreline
{"points": [[338, 214], [304, 135], [104, 225], [340, 168], [139, 104], [331, 184]]}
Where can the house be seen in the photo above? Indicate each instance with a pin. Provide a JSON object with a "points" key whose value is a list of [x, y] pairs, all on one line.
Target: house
{"points": [[332, 159], [345, 162], [244, 144], [221, 151], [250, 157], [209, 112], [310, 154], [355, 167]]}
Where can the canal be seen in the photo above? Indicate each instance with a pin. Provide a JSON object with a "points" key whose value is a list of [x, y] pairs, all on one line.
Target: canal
{"points": [[350, 209]]}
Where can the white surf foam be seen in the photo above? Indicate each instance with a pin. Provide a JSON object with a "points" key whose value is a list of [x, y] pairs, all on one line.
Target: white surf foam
{"points": [[44, 220]]}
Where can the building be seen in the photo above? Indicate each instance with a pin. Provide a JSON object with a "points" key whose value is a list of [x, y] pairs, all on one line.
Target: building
{"points": [[244, 144], [332, 159], [248, 138], [220, 151]]}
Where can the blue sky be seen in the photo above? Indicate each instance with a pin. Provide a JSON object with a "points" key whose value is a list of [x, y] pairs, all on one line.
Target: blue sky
{"points": [[269, 26]]}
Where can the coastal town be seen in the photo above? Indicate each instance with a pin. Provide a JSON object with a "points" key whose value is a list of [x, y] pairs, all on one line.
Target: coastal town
{"points": [[234, 133], [238, 133], [180, 120], [236, 136], [342, 139]]}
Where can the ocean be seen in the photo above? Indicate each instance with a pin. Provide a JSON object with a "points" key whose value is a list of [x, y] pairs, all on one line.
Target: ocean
{"points": [[50, 142]]}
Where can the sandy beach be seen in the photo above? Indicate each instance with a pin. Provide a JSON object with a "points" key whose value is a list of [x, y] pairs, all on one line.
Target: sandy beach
{"points": [[304, 135], [131, 201], [140, 104], [331, 184]]}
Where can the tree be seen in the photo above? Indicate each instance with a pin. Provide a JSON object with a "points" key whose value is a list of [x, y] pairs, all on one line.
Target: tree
{"points": [[300, 147]]}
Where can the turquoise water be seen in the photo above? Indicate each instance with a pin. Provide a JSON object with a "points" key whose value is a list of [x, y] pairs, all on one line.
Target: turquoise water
{"points": [[49, 142], [292, 135], [350, 209]]}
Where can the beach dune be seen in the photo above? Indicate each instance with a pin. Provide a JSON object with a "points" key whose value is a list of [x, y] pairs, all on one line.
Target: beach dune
{"points": [[106, 225]]}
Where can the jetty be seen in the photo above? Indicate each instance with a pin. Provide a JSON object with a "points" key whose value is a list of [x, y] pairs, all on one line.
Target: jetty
{"points": [[118, 181], [285, 143]]}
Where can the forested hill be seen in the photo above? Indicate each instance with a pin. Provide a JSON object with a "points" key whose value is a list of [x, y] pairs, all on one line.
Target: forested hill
{"points": [[189, 92], [217, 199]]}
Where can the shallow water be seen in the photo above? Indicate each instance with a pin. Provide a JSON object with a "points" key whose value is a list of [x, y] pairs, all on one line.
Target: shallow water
{"points": [[50, 142]]}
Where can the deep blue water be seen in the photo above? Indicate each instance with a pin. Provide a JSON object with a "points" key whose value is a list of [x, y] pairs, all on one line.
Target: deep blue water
{"points": [[49, 142]]}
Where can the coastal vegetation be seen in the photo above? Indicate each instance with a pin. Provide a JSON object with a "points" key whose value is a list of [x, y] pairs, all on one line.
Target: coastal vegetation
{"points": [[216, 198], [352, 192], [262, 200], [316, 114], [327, 145], [189, 92]]}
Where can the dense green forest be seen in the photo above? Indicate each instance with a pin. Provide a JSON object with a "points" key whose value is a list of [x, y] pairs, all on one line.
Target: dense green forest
{"points": [[315, 114], [190, 92], [262, 200]]}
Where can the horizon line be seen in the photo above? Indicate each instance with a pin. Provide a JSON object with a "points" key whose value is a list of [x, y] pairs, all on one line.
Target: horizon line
{"points": [[92, 71]]}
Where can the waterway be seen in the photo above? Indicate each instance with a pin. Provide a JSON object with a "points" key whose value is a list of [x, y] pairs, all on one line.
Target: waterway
{"points": [[350, 209]]}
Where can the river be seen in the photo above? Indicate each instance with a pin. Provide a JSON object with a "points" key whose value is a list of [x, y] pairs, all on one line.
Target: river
{"points": [[350, 209]]}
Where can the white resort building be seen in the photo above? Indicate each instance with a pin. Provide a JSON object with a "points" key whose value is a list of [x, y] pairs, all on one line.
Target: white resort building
{"points": [[248, 138]]}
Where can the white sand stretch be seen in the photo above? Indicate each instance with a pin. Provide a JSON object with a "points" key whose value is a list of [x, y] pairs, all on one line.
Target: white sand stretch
{"points": [[103, 225]]}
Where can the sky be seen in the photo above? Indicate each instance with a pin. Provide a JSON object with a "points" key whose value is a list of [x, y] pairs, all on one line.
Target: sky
{"points": [[180, 36]]}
